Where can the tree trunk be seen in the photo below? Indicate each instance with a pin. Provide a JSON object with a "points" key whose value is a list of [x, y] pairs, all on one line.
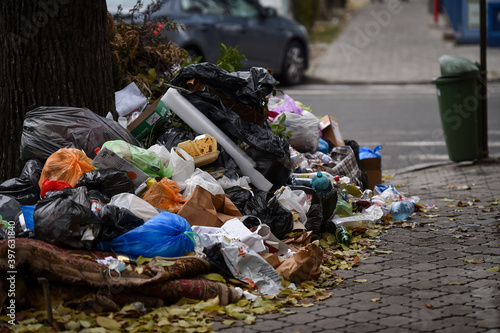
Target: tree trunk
{"points": [[52, 53]]}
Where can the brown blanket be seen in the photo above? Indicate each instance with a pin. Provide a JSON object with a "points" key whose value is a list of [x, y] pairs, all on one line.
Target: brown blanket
{"points": [[76, 272]]}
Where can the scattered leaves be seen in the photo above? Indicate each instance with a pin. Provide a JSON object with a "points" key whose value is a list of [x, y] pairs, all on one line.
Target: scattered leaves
{"points": [[108, 323]]}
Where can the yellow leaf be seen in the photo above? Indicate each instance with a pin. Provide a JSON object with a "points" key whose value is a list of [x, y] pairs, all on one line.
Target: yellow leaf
{"points": [[323, 296], [228, 322], [164, 263], [495, 203], [361, 280], [108, 323], [375, 300], [214, 277], [453, 283], [250, 319], [493, 269], [152, 74], [142, 260], [139, 269], [449, 200], [470, 261], [383, 252]]}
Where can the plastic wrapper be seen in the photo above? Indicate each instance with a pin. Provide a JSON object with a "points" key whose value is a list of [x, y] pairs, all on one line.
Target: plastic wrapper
{"points": [[66, 164], [25, 189], [47, 129], [162, 152], [136, 205], [143, 159], [65, 222], [277, 217], [277, 105], [202, 179], [165, 235], [107, 181], [116, 221], [305, 137], [295, 200], [247, 265], [164, 195]]}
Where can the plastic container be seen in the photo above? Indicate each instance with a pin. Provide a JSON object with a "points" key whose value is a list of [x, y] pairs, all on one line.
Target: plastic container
{"points": [[401, 210], [328, 195]]}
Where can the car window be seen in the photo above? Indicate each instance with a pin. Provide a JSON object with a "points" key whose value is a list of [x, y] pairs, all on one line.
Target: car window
{"points": [[207, 7], [242, 8]]}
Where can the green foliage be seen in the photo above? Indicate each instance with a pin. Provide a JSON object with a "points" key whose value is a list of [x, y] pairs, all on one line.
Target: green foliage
{"points": [[279, 128], [230, 58], [305, 12]]}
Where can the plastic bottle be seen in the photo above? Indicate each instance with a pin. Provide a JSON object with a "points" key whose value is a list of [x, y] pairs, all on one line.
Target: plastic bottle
{"points": [[343, 235], [328, 195], [401, 210]]}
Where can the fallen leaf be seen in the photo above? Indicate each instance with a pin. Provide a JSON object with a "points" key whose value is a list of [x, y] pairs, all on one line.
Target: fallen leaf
{"points": [[428, 305], [495, 203], [462, 204], [474, 261], [164, 263], [429, 215], [108, 323], [448, 200], [324, 295], [452, 218], [228, 322], [214, 277], [383, 252], [432, 229], [139, 269], [463, 187], [142, 260], [493, 269], [361, 280], [375, 299], [453, 283]]}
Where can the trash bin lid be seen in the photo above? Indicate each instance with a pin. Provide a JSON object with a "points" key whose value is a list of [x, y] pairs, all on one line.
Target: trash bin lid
{"points": [[453, 66]]}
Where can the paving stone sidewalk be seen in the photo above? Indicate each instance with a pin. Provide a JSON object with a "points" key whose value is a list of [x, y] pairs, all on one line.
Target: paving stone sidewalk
{"points": [[390, 44], [435, 280]]}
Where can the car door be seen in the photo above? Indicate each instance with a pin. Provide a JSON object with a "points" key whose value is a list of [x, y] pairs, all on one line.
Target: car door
{"points": [[258, 37]]}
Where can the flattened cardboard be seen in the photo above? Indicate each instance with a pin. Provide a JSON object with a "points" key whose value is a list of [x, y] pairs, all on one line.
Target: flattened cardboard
{"points": [[331, 131], [373, 170], [107, 159]]}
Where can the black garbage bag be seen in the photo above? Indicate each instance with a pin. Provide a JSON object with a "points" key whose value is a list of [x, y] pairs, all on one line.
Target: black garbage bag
{"points": [[315, 213], [25, 189], [62, 220], [174, 136], [116, 221], [107, 181], [12, 223], [277, 217], [47, 129], [235, 103], [217, 262]]}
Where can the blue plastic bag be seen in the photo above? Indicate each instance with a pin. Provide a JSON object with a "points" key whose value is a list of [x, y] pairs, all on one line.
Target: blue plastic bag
{"points": [[323, 146], [165, 235], [366, 152]]}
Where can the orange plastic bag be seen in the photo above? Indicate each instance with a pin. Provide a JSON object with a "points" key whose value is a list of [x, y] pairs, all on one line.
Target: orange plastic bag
{"points": [[66, 164], [164, 195]]}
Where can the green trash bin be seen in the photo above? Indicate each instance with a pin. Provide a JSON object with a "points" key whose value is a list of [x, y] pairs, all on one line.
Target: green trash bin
{"points": [[459, 106]]}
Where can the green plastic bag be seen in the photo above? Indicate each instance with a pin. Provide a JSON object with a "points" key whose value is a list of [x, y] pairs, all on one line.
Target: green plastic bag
{"points": [[343, 208], [143, 159]]}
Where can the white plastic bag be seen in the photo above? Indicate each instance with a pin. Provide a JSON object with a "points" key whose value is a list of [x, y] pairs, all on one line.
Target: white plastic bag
{"points": [[203, 179], [183, 166], [243, 181], [295, 200], [162, 153], [136, 205]]}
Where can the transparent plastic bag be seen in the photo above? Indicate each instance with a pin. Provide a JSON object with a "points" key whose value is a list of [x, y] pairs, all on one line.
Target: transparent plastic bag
{"points": [[136, 205], [305, 136], [203, 179]]}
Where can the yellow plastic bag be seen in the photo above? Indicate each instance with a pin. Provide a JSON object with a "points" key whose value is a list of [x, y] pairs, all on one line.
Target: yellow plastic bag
{"points": [[164, 195], [66, 164]]}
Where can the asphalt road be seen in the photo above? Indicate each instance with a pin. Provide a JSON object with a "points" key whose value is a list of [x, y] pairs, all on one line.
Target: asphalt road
{"points": [[404, 119]]}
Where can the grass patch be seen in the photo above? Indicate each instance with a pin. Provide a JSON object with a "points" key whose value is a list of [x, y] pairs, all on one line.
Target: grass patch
{"points": [[325, 32]]}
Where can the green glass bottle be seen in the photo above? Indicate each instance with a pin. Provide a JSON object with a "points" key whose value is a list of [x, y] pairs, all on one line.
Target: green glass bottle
{"points": [[343, 235]]}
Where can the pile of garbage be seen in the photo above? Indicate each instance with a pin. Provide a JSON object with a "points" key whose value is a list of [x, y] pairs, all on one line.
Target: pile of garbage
{"points": [[242, 178]]}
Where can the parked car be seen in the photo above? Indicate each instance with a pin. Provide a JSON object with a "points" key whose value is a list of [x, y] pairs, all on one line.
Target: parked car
{"points": [[265, 38]]}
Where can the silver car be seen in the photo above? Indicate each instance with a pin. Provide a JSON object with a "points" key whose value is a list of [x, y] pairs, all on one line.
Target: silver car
{"points": [[263, 37]]}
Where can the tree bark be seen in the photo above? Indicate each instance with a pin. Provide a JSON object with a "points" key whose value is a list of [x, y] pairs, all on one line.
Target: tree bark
{"points": [[52, 53]]}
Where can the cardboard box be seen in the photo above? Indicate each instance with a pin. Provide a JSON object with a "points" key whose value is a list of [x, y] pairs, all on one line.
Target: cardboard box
{"points": [[107, 159], [141, 126], [373, 170], [331, 131]]}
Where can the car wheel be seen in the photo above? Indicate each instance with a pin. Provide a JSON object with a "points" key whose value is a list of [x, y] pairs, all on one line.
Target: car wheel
{"points": [[294, 64]]}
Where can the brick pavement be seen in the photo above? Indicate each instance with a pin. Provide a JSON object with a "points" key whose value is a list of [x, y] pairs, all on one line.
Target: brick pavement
{"points": [[401, 46], [425, 284]]}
